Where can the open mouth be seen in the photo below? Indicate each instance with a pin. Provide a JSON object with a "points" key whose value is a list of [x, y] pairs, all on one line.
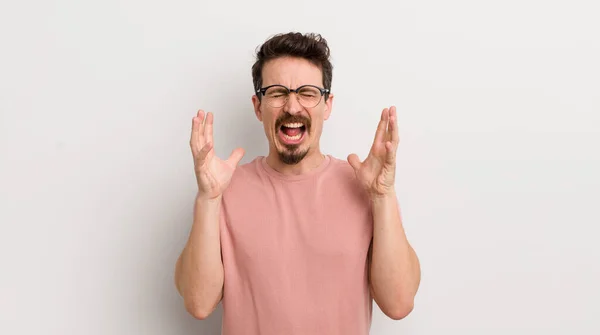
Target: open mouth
{"points": [[292, 133]]}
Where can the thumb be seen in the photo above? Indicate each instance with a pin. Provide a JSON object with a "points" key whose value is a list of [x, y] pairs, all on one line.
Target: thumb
{"points": [[235, 157], [354, 161]]}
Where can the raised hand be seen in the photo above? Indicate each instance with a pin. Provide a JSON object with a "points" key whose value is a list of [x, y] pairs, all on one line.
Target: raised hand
{"points": [[377, 172], [212, 173]]}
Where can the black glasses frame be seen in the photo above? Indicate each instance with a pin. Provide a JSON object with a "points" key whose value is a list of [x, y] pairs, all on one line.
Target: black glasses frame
{"points": [[264, 89]]}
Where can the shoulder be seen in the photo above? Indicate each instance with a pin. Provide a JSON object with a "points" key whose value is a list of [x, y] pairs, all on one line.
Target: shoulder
{"points": [[342, 178], [341, 171], [245, 175], [249, 169], [342, 167]]}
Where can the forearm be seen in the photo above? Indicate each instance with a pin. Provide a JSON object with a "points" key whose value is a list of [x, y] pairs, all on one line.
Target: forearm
{"points": [[199, 270], [395, 270]]}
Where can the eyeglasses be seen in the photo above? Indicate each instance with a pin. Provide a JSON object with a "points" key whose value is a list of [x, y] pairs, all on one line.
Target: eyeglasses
{"points": [[277, 95]]}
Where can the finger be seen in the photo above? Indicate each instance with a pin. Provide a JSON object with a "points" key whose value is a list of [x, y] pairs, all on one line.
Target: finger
{"points": [[201, 139], [235, 157], [390, 156], [199, 135], [354, 161], [393, 126], [208, 127], [196, 124], [382, 126]]}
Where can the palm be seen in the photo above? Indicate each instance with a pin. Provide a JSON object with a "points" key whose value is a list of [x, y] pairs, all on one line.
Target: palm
{"points": [[377, 172], [212, 173], [213, 176]]}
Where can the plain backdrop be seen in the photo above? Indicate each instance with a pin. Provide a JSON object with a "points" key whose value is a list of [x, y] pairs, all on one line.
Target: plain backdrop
{"points": [[498, 166]]}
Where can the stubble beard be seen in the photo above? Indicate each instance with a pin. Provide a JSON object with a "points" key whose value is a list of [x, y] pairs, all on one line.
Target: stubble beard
{"points": [[292, 155]]}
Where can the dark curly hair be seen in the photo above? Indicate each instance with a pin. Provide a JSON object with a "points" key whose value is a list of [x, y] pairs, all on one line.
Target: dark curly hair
{"points": [[312, 47]]}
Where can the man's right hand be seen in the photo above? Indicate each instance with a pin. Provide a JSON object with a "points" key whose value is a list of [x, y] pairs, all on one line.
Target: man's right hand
{"points": [[212, 173]]}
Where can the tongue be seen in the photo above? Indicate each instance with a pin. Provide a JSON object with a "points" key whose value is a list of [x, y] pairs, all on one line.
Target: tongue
{"points": [[291, 131]]}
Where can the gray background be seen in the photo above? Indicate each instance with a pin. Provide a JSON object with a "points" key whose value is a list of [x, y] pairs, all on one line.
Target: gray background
{"points": [[498, 177]]}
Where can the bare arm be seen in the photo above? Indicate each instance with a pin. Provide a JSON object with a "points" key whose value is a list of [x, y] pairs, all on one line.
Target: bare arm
{"points": [[199, 274], [199, 270], [395, 272], [394, 269]]}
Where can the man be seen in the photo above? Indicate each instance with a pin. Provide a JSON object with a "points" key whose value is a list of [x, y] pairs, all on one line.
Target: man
{"points": [[296, 242]]}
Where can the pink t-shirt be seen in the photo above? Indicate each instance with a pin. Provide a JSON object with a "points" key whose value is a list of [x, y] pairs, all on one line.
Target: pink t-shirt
{"points": [[295, 252]]}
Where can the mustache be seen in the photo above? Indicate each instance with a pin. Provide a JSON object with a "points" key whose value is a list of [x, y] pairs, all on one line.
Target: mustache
{"points": [[289, 118]]}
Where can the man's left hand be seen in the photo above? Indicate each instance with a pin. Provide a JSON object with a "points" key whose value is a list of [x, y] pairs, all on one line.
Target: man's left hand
{"points": [[377, 172]]}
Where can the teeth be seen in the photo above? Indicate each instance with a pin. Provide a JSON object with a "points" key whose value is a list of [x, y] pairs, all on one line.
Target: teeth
{"points": [[292, 138], [293, 125]]}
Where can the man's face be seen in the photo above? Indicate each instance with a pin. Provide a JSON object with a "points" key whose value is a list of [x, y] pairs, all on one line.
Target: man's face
{"points": [[293, 130]]}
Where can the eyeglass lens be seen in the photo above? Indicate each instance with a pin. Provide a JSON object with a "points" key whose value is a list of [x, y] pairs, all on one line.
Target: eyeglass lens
{"points": [[307, 96]]}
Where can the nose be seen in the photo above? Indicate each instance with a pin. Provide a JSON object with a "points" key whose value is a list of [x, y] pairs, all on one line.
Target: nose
{"points": [[292, 105]]}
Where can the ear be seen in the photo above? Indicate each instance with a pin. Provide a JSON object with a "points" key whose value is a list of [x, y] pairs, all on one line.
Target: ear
{"points": [[328, 106], [257, 110]]}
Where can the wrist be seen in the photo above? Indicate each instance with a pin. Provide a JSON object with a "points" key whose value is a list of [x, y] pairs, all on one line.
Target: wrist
{"points": [[383, 197], [206, 200]]}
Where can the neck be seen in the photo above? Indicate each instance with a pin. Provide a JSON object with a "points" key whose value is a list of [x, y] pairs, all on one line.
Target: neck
{"points": [[311, 161]]}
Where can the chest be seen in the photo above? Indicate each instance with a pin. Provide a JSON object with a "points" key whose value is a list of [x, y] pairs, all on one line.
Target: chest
{"points": [[315, 223]]}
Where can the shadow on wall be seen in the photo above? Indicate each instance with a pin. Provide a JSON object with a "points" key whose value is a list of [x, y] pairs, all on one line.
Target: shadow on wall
{"points": [[186, 325], [156, 307]]}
